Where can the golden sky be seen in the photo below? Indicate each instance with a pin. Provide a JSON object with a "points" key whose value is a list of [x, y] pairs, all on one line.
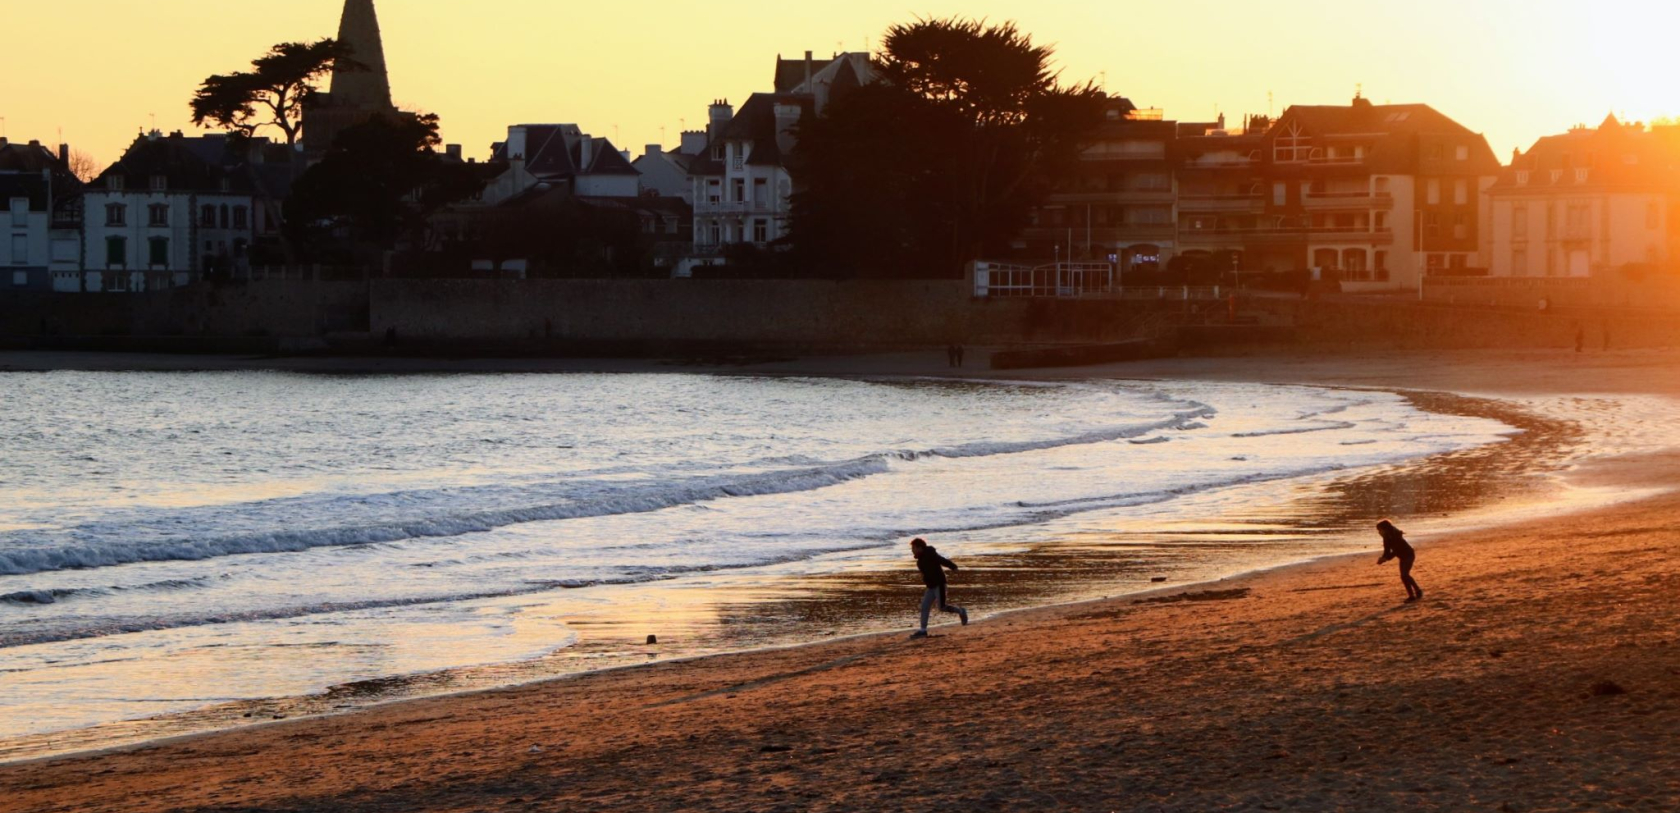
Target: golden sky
{"points": [[98, 70]]}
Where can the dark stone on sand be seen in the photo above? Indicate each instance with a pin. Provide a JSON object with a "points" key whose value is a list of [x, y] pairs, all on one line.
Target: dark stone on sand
{"points": [[653, 639], [1158, 579], [775, 749], [1607, 688]]}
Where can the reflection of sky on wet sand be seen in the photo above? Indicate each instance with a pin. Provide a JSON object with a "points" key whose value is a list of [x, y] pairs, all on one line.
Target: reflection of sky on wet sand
{"points": [[1091, 555]]}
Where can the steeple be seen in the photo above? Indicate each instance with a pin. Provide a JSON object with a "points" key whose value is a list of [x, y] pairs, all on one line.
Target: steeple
{"points": [[368, 88]]}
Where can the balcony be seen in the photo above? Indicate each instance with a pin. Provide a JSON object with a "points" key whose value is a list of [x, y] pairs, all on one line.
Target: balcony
{"points": [[1348, 200], [1104, 232], [736, 207], [1221, 203], [1117, 196]]}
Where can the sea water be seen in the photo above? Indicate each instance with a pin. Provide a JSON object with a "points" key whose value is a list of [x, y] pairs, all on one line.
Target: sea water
{"points": [[174, 541]]}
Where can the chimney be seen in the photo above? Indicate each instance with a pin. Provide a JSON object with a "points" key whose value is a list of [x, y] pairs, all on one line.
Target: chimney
{"points": [[453, 151], [807, 71], [654, 150], [64, 154], [720, 113], [3, 141], [586, 152], [516, 145], [693, 142]]}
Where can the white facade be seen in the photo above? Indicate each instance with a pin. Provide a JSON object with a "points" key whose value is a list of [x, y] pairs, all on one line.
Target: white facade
{"points": [[1557, 234], [174, 234], [748, 203], [538, 154], [24, 254]]}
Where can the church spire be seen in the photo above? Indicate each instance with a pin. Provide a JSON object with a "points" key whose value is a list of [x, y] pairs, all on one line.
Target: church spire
{"points": [[369, 87]]}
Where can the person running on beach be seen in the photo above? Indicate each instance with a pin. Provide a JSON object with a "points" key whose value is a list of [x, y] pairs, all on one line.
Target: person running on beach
{"points": [[1396, 547], [932, 566]]}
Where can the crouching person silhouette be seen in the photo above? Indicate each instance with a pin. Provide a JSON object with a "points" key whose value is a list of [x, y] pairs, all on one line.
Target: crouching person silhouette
{"points": [[1396, 547]]}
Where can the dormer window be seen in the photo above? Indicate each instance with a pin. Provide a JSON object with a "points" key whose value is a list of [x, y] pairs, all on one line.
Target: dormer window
{"points": [[1522, 177], [160, 183], [1463, 153], [1581, 175], [114, 183], [1557, 175], [1293, 145], [226, 185]]}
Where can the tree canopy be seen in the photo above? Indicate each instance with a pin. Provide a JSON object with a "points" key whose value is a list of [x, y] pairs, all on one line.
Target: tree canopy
{"points": [[380, 181], [273, 92], [942, 158]]}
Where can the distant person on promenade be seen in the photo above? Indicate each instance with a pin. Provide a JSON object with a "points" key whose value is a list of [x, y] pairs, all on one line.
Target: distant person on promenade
{"points": [[961, 352], [1396, 547], [932, 566]]}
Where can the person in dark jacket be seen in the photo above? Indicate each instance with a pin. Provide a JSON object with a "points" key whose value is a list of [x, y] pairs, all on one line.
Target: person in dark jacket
{"points": [[1396, 547], [932, 566]]}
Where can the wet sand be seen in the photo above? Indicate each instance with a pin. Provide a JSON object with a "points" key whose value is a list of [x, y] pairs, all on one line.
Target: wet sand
{"points": [[1541, 672]]}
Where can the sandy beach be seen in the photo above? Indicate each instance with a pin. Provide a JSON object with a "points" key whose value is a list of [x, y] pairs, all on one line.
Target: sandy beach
{"points": [[1541, 672]]}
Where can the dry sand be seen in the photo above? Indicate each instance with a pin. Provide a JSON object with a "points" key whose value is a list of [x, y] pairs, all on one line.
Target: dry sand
{"points": [[1541, 672]]}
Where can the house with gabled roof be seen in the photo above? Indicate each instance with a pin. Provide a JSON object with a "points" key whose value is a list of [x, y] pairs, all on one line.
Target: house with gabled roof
{"points": [[175, 209], [1376, 196], [541, 157], [742, 184], [1589, 202], [39, 215]]}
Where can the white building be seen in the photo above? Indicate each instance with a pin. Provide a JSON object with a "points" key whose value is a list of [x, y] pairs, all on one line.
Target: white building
{"points": [[559, 156], [741, 183], [38, 208], [1589, 203], [164, 216], [668, 173]]}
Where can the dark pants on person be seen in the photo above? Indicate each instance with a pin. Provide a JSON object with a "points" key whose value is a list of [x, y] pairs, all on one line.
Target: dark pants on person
{"points": [[1412, 588], [934, 595]]}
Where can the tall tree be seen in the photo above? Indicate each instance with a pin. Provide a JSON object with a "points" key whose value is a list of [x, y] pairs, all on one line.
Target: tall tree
{"points": [[952, 148], [381, 182], [273, 92]]}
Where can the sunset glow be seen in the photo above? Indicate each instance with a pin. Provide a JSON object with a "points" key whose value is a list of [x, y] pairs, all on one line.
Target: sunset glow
{"points": [[1514, 70]]}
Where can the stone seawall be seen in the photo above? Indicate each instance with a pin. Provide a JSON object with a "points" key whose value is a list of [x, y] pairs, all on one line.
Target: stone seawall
{"points": [[789, 314], [294, 308]]}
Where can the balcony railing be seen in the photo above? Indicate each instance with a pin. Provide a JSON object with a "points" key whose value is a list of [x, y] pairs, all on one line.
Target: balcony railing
{"points": [[738, 207], [1221, 203], [1348, 200]]}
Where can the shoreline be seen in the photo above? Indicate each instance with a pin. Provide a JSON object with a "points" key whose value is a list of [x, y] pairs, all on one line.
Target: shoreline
{"points": [[1653, 470], [220, 718]]}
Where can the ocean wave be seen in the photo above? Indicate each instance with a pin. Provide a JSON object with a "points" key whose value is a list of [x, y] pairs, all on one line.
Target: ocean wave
{"points": [[443, 513]]}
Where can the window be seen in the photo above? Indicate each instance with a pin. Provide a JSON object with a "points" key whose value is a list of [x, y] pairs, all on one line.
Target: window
{"points": [[240, 216], [1432, 225], [1519, 262], [159, 252], [116, 214], [20, 249], [1581, 175], [761, 191], [1380, 266], [1434, 192], [20, 278], [157, 214], [1551, 262], [1461, 191], [1522, 177], [114, 183], [207, 218], [1353, 261], [1463, 152], [1382, 222], [116, 252], [1293, 145], [714, 190], [1280, 193], [160, 183], [1435, 262], [224, 217], [20, 210], [740, 151], [1461, 226], [1459, 261], [738, 190], [1519, 223], [761, 230]]}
